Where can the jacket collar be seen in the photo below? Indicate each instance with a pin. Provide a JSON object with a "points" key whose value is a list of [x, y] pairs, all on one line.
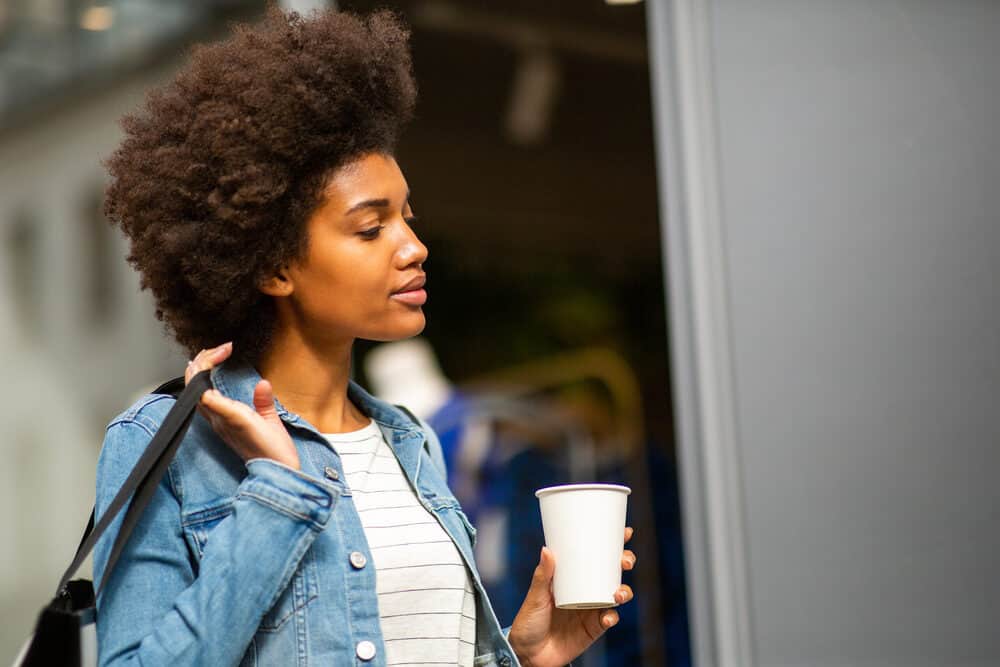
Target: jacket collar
{"points": [[236, 380]]}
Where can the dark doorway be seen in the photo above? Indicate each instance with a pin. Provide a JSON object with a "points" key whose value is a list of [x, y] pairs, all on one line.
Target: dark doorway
{"points": [[531, 163]]}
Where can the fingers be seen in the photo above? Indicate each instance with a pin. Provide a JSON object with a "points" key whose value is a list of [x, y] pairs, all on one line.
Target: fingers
{"points": [[539, 595], [628, 556], [228, 418], [623, 594], [263, 401], [546, 568], [602, 619], [231, 421], [207, 359], [597, 622], [231, 412]]}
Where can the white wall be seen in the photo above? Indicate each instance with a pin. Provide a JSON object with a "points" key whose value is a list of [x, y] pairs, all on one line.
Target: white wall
{"points": [[832, 171], [66, 372]]}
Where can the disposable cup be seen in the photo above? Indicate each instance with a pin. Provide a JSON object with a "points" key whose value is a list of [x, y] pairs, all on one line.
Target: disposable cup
{"points": [[584, 526]]}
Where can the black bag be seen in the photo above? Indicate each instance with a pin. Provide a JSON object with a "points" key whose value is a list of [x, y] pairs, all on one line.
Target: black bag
{"points": [[59, 639]]}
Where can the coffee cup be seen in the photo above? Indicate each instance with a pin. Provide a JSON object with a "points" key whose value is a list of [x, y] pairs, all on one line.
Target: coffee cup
{"points": [[584, 526]]}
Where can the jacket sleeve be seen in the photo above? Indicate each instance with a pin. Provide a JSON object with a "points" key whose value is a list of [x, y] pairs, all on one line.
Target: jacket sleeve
{"points": [[155, 609]]}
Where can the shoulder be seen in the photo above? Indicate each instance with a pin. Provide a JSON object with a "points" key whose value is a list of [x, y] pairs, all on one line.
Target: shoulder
{"points": [[128, 434], [146, 413]]}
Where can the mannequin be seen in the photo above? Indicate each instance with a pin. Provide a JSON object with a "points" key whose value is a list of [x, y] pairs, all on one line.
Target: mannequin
{"points": [[406, 372]]}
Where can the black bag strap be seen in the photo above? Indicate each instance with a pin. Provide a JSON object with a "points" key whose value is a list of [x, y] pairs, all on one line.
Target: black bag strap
{"points": [[145, 476]]}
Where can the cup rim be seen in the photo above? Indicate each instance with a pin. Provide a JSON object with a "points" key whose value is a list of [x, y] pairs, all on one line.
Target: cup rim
{"points": [[548, 490]]}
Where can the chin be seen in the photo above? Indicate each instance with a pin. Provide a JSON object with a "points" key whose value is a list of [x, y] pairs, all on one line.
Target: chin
{"points": [[398, 333]]}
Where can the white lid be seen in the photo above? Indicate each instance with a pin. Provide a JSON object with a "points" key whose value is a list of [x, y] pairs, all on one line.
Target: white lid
{"points": [[582, 487]]}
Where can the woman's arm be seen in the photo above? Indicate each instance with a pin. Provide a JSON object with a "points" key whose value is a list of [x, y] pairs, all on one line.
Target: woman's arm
{"points": [[155, 609]]}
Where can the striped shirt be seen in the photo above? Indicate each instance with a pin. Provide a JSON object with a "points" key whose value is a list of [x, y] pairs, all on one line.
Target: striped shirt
{"points": [[426, 603]]}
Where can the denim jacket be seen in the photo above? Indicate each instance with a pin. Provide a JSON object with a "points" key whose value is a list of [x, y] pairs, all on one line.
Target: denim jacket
{"points": [[256, 563]]}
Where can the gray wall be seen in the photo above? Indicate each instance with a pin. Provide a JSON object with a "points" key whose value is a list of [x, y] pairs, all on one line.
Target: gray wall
{"points": [[855, 176]]}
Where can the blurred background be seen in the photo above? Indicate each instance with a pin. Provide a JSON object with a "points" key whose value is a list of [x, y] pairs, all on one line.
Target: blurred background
{"points": [[531, 162], [739, 255]]}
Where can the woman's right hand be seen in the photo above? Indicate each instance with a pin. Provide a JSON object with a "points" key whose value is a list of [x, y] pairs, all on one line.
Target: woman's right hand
{"points": [[256, 432]]}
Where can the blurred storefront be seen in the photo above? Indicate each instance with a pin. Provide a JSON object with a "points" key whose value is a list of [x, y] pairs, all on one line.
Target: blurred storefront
{"points": [[531, 163]]}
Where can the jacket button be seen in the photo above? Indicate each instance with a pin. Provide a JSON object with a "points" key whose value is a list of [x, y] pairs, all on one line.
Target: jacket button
{"points": [[331, 473], [365, 650], [358, 560], [505, 661]]}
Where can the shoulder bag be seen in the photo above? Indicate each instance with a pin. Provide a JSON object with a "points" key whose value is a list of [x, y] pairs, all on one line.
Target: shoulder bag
{"points": [[65, 635]]}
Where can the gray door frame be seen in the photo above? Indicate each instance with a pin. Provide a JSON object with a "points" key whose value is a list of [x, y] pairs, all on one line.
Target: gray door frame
{"points": [[685, 124]]}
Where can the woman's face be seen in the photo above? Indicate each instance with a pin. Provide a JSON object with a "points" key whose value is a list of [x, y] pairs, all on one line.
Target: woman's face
{"points": [[361, 253]]}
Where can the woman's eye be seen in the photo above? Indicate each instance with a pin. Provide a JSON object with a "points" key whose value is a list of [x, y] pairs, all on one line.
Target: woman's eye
{"points": [[373, 233]]}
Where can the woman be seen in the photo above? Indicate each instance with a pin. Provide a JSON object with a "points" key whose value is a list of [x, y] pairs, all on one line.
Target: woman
{"points": [[266, 213]]}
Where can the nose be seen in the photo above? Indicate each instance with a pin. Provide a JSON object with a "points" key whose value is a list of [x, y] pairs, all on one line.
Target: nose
{"points": [[411, 250]]}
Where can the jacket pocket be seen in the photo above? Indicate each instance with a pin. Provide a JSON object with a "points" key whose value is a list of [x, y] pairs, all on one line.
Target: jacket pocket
{"points": [[302, 589], [198, 525]]}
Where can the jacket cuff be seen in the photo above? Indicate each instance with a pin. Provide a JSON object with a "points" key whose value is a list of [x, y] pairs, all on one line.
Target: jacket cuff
{"points": [[289, 491]]}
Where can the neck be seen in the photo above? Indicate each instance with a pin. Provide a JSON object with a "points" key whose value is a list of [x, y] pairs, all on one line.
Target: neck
{"points": [[310, 379]]}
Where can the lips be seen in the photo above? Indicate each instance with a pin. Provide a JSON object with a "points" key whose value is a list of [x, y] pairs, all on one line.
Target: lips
{"points": [[415, 284]]}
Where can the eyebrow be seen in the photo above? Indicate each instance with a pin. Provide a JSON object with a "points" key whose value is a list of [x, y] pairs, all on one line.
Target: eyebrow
{"points": [[374, 203]]}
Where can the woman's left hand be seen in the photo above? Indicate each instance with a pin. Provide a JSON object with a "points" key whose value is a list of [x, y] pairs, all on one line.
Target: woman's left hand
{"points": [[543, 635]]}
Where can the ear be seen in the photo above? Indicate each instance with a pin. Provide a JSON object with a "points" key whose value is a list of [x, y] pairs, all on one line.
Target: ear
{"points": [[280, 284]]}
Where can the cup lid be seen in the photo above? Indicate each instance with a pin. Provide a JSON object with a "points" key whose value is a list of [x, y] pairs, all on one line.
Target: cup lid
{"points": [[582, 487]]}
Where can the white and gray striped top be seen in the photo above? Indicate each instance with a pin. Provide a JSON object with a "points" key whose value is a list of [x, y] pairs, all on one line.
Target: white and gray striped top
{"points": [[425, 599]]}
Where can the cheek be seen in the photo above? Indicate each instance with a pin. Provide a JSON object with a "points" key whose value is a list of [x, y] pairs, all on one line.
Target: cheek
{"points": [[350, 285]]}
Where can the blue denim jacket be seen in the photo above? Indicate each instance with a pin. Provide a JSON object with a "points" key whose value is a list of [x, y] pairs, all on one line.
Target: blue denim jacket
{"points": [[250, 563]]}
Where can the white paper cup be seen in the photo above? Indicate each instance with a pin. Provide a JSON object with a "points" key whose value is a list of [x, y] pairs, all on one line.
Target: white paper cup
{"points": [[584, 526]]}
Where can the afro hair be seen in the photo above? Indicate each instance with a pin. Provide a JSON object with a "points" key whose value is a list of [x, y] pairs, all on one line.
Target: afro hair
{"points": [[219, 171]]}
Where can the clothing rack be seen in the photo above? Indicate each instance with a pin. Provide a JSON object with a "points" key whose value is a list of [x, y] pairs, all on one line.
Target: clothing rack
{"points": [[506, 392]]}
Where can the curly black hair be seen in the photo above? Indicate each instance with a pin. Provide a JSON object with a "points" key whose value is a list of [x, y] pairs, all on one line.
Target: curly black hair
{"points": [[219, 171]]}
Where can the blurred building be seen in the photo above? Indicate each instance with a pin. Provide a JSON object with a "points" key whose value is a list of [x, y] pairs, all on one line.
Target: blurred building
{"points": [[78, 340], [531, 163]]}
